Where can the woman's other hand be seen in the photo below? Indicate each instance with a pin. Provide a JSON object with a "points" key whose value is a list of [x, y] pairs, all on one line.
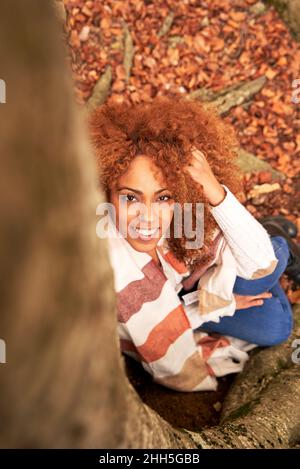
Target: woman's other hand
{"points": [[202, 173], [247, 301]]}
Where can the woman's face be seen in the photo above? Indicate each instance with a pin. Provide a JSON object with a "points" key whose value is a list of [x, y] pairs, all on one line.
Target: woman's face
{"points": [[143, 183]]}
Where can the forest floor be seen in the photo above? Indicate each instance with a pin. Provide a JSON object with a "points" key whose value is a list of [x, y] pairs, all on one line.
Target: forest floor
{"points": [[202, 45]]}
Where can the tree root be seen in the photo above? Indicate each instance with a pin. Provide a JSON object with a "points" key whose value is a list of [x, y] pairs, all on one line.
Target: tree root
{"points": [[262, 409]]}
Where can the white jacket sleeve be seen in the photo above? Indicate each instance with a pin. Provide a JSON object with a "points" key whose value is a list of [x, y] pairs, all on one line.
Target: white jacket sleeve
{"points": [[248, 240]]}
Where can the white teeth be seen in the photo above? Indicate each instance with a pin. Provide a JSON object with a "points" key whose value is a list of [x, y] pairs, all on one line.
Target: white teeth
{"points": [[146, 232]]}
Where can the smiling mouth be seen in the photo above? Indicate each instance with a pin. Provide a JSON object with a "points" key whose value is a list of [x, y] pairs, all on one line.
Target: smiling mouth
{"points": [[146, 234]]}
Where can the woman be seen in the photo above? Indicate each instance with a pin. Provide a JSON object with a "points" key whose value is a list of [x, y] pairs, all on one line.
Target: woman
{"points": [[189, 311]]}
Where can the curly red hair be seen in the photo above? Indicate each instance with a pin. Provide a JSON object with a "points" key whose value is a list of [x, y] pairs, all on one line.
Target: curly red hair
{"points": [[166, 129]]}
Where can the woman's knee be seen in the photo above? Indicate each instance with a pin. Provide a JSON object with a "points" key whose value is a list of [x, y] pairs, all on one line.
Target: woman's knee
{"points": [[270, 324], [260, 285], [280, 325], [281, 249], [278, 336]]}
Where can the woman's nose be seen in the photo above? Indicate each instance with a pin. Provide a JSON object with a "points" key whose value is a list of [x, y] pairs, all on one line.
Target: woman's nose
{"points": [[147, 214]]}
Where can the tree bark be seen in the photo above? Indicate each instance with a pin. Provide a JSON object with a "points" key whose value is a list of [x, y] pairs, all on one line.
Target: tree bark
{"points": [[63, 383], [232, 96], [289, 10], [262, 409]]}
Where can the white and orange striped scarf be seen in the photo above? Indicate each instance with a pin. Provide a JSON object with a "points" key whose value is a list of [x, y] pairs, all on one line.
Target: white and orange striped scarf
{"points": [[158, 330]]}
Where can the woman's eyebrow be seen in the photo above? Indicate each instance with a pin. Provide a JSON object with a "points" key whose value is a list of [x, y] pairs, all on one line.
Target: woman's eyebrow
{"points": [[139, 192]]}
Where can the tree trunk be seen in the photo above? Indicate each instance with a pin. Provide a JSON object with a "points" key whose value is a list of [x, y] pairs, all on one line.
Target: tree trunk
{"points": [[63, 383], [289, 10]]}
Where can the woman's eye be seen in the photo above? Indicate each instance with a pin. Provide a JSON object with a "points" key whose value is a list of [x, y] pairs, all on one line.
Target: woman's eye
{"points": [[131, 197], [162, 196], [127, 197]]}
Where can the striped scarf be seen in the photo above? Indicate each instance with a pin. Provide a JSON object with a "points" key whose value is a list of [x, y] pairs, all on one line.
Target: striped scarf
{"points": [[160, 330]]}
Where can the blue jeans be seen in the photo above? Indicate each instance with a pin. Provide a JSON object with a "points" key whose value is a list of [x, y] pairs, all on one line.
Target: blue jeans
{"points": [[265, 325]]}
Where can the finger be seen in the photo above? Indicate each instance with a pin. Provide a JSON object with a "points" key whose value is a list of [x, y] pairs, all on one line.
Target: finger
{"points": [[198, 153], [255, 303], [200, 159], [263, 295], [197, 164], [267, 294]]}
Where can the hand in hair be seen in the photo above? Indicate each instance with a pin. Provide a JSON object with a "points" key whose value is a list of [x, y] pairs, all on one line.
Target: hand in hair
{"points": [[201, 172]]}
